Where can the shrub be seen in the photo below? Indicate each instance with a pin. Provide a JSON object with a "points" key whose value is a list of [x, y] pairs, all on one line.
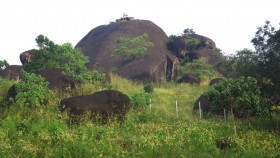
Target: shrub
{"points": [[149, 87], [241, 95], [140, 99], [32, 90]]}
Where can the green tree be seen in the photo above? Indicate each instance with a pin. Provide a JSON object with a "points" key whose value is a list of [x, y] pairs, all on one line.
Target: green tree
{"points": [[3, 64], [71, 61], [267, 45], [241, 94], [188, 32], [132, 48]]}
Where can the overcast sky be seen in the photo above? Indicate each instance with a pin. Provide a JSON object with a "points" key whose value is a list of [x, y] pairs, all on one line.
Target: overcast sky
{"points": [[230, 23]]}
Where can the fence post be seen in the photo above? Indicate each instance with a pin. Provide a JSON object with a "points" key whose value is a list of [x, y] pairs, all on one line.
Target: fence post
{"points": [[150, 105], [200, 114], [225, 115], [177, 114]]}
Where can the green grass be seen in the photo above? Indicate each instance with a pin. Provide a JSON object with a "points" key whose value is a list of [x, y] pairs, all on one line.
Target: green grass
{"points": [[155, 132]]}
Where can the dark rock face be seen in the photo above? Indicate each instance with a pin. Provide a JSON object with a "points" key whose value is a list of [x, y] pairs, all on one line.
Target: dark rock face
{"points": [[57, 80], [12, 93], [26, 57], [205, 105], [206, 48], [11, 72], [215, 81], [106, 103], [189, 78], [100, 43]]}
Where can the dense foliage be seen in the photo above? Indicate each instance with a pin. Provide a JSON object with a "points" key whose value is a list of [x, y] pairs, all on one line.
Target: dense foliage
{"points": [[263, 63], [64, 57], [32, 90], [132, 48], [239, 96]]}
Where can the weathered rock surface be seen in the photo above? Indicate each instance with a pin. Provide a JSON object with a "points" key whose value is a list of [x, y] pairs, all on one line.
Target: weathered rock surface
{"points": [[57, 80], [106, 103], [189, 78], [206, 48], [11, 72], [157, 64], [26, 57]]}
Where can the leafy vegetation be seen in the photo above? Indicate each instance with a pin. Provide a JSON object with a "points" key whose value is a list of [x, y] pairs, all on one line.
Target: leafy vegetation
{"points": [[200, 68], [132, 48], [3, 64], [157, 132], [262, 63], [32, 90], [241, 95], [50, 55]]}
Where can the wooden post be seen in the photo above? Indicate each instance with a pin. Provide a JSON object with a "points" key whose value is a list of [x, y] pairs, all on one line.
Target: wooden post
{"points": [[150, 105], [200, 114], [177, 114], [225, 114]]}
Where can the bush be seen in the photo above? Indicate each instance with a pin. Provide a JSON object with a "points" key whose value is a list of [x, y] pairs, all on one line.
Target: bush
{"points": [[149, 87], [240, 97], [32, 90], [140, 99], [200, 68]]}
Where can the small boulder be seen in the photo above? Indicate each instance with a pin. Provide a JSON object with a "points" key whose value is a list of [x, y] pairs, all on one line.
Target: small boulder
{"points": [[215, 81], [106, 103], [205, 105], [189, 78]]}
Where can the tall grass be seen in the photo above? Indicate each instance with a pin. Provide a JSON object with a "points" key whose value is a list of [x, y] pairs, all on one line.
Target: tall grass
{"points": [[155, 132]]}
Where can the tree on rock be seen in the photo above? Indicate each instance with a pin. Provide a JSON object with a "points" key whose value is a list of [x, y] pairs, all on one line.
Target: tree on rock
{"points": [[132, 48]]}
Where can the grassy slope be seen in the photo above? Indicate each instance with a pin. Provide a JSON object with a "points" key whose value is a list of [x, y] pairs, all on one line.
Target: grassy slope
{"points": [[155, 132]]}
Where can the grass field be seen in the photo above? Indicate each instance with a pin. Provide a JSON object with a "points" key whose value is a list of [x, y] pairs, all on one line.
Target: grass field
{"points": [[149, 131]]}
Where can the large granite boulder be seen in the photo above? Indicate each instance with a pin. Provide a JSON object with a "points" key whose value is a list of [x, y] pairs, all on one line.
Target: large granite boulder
{"points": [[157, 64], [105, 103], [11, 72]]}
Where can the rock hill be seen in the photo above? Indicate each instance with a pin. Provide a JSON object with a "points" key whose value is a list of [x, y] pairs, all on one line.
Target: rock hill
{"points": [[157, 63]]}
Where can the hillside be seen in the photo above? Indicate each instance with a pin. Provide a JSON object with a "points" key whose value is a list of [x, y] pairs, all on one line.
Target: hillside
{"points": [[149, 131]]}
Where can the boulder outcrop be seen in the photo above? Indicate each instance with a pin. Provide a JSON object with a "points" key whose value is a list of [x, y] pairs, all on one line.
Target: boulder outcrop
{"points": [[157, 64]]}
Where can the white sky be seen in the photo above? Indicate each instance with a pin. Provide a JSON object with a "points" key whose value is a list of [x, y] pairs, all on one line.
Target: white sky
{"points": [[230, 23]]}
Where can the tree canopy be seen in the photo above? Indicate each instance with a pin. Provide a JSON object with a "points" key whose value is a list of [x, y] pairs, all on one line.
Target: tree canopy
{"points": [[263, 63], [132, 48], [71, 61]]}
